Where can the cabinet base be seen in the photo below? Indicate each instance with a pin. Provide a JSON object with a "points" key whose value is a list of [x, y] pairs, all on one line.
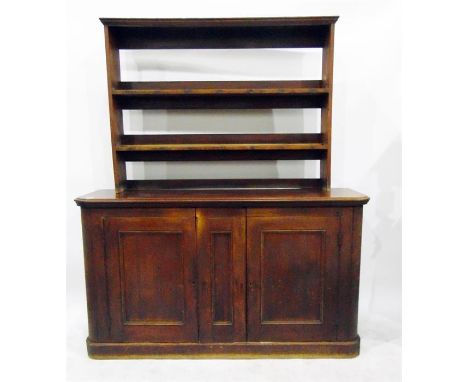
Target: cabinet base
{"points": [[238, 350]]}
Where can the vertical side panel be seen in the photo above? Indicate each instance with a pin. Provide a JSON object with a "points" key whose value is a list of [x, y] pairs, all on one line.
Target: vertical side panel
{"points": [[350, 260], [115, 114], [95, 273], [326, 114], [221, 267], [355, 270]]}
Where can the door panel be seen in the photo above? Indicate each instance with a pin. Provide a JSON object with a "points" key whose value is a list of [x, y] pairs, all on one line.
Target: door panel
{"points": [[152, 271], [292, 277], [221, 264], [151, 276], [291, 269]]}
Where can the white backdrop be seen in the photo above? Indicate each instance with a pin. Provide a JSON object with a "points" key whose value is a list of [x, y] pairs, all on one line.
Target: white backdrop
{"points": [[366, 157]]}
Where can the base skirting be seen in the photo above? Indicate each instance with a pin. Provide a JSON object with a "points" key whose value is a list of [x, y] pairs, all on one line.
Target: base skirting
{"points": [[323, 349]]}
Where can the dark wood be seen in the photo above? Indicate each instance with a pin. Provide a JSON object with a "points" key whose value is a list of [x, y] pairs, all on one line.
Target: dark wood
{"points": [[148, 289], [243, 350], [220, 197], [209, 154], [221, 147], [217, 88], [115, 113], [185, 139], [253, 33], [231, 268], [296, 32], [220, 94], [220, 37], [221, 22], [221, 282], [222, 101], [350, 262], [326, 112], [95, 272], [138, 186], [292, 275], [151, 275]]}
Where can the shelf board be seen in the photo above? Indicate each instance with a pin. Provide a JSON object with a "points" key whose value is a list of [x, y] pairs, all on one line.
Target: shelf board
{"points": [[217, 88], [225, 184], [220, 94], [148, 139], [222, 147]]}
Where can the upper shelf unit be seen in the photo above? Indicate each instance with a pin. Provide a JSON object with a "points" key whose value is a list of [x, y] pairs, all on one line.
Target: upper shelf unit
{"points": [[235, 33], [294, 32]]}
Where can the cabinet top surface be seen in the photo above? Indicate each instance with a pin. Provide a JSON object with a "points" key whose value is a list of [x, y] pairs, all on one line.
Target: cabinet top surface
{"points": [[223, 197], [225, 22]]}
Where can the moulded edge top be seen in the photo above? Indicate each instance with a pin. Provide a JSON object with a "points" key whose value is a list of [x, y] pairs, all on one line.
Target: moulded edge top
{"points": [[245, 198], [221, 22]]}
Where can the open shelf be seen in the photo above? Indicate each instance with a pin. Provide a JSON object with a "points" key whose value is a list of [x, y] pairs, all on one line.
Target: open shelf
{"points": [[221, 147], [217, 88], [224, 192], [145, 139], [216, 142], [220, 94], [236, 33], [228, 33], [224, 184]]}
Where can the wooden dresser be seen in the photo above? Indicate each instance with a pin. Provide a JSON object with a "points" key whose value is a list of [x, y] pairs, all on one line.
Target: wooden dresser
{"points": [[224, 267]]}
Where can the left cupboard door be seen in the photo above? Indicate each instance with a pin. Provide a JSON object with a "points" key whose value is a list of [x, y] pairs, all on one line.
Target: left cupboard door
{"points": [[151, 272]]}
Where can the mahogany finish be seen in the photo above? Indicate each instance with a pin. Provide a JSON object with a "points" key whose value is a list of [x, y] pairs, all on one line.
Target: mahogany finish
{"points": [[293, 32], [292, 273], [273, 281], [151, 277], [222, 278], [221, 267]]}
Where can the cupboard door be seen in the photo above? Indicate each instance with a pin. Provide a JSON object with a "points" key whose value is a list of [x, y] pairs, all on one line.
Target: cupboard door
{"points": [[292, 277], [221, 264], [151, 278]]}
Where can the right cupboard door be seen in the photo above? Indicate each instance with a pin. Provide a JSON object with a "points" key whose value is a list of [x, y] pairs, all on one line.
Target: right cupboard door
{"points": [[292, 265]]}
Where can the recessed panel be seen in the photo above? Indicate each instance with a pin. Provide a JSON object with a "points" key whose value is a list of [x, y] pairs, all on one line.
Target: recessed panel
{"points": [[152, 277], [291, 276], [222, 273]]}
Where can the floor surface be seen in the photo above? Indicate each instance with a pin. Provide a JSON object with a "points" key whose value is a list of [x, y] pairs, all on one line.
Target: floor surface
{"points": [[380, 360]]}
